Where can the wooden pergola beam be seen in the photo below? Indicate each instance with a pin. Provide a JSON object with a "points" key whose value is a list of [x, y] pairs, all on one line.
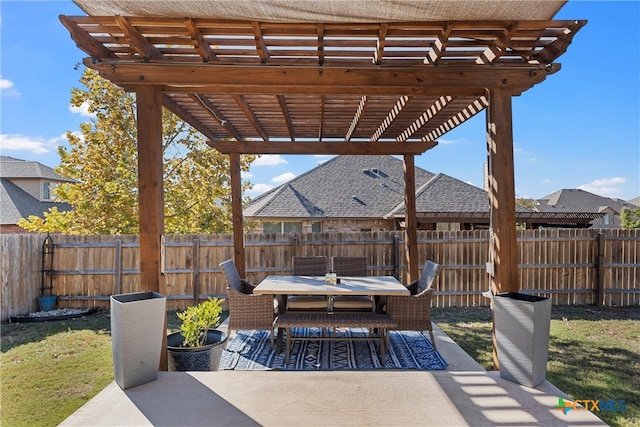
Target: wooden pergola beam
{"points": [[282, 102], [395, 111], [179, 111], [86, 41], [248, 112], [261, 48], [356, 118], [215, 113], [282, 80], [328, 148], [138, 42], [425, 117], [466, 113], [199, 41]]}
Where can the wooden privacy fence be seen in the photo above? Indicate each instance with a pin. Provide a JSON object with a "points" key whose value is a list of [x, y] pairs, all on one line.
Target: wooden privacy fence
{"points": [[570, 266]]}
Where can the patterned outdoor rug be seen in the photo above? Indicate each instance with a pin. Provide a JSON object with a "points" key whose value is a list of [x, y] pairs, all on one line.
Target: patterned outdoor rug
{"points": [[250, 350]]}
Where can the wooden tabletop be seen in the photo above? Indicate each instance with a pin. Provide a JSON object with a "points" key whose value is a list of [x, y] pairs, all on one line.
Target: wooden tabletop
{"points": [[316, 285]]}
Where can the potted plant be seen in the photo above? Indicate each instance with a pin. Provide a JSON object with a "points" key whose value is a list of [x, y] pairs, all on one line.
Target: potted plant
{"points": [[197, 346]]}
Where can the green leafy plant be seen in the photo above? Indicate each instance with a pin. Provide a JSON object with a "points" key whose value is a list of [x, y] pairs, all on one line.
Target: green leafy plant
{"points": [[196, 320], [630, 218]]}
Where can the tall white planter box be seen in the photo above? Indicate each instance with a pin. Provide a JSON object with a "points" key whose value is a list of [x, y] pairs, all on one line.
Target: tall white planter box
{"points": [[522, 325], [137, 329]]}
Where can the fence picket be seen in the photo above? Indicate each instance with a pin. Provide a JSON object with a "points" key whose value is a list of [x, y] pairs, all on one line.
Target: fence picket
{"points": [[570, 266]]}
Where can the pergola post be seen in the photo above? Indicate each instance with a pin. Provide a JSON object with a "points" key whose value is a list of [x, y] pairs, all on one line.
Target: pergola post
{"points": [[410, 229], [236, 208], [502, 205], [150, 198]]}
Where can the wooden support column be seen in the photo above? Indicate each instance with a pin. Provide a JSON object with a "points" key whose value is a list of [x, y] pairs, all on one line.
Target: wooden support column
{"points": [[150, 198], [410, 229], [236, 208], [502, 200], [502, 196]]}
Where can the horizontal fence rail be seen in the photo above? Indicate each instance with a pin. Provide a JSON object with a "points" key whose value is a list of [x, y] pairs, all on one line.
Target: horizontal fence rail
{"points": [[569, 266]]}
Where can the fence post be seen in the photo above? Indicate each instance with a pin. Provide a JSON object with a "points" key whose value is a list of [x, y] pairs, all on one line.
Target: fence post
{"points": [[601, 285], [396, 256], [294, 244], [195, 272], [118, 266]]}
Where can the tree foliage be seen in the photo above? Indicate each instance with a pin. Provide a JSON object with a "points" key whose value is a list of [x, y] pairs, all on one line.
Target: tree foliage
{"points": [[525, 203], [630, 218], [103, 161]]}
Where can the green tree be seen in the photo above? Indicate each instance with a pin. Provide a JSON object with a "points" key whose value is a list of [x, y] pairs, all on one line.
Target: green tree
{"points": [[630, 218], [103, 162], [525, 203]]}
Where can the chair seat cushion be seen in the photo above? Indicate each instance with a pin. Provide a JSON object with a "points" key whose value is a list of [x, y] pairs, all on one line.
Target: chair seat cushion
{"points": [[306, 302], [352, 302], [413, 287], [245, 287]]}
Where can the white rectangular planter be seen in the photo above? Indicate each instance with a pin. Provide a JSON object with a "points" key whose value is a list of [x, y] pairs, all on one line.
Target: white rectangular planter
{"points": [[137, 329], [522, 325]]}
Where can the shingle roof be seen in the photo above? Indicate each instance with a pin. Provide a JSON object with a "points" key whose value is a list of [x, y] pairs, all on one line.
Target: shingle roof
{"points": [[443, 193], [356, 186], [576, 200], [16, 168], [17, 203], [635, 201], [366, 187]]}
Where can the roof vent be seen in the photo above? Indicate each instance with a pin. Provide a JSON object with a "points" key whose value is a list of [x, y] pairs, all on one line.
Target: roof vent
{"points": [[357, 199]]}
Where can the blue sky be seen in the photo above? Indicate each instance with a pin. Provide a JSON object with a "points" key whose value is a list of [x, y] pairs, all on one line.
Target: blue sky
{"points": [[580, 128]]}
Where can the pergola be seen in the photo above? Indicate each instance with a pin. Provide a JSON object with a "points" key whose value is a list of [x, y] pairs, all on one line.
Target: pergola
{"points": [[325, 77]]}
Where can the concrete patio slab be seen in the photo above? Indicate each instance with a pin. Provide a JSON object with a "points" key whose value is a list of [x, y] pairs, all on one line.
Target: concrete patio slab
{"points": [[462, 395]]}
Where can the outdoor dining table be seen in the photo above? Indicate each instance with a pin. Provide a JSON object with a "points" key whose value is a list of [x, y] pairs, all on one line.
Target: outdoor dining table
{"points": [[317, 285], [281, 286]]}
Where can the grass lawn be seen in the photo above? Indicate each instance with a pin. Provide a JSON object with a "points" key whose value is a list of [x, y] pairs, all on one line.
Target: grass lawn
{"points": [[50, 369], [594, 353]]}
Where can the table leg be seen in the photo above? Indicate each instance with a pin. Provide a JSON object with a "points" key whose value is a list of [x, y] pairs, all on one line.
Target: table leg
{"points": [[282, 308], [279, 340], [288, 350]]}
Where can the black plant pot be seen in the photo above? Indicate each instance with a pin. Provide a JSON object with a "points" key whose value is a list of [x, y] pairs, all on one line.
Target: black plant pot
{"points": [[205, 358]]}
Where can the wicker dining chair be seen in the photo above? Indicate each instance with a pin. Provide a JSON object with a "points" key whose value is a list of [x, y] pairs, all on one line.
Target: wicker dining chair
{"points": [[246, 309], [413, 313], [308, 266], [345, 267]]}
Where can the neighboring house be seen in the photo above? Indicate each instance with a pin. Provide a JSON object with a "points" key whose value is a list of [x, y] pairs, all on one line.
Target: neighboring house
{"points": [[575, 200], [635, 202], [26, 189], [366, 193]]}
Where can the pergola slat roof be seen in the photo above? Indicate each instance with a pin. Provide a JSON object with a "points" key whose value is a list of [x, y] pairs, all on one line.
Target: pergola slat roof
{"points": [[366, 82]]}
